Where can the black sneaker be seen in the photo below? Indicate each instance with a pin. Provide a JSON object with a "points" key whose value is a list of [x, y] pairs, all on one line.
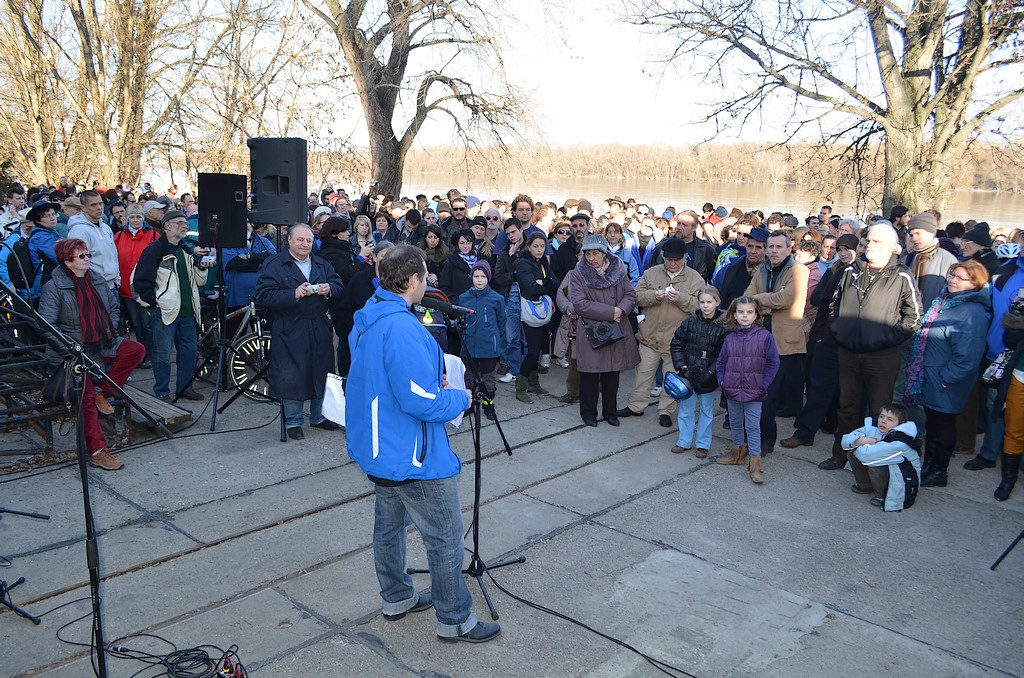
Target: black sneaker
{"points": [[424, 602], [664, 421], [481, 633], [326, 425], [295, 433]]}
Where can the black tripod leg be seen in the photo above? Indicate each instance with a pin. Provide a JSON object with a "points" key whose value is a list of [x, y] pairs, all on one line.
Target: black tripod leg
{"points": [[5, 591], [1007, 551], [221, 351]]}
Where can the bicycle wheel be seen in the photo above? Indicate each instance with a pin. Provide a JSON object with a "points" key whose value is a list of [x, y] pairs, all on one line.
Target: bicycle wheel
{"points": [[249, 355]]}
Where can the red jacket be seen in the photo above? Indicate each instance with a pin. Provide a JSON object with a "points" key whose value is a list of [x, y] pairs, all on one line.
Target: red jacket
{"points": [[129, 249]]}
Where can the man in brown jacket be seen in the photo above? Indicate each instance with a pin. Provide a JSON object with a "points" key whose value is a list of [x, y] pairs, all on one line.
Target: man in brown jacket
{"points": [[781, 287], [667, 293]]}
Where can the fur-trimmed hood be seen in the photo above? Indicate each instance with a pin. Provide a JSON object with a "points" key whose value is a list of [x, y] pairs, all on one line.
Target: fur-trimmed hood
{"points": [[616, 272]]}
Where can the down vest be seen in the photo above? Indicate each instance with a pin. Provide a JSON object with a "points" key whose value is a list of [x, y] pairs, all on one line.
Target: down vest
{"points": [[747, 364], [695, 347]]}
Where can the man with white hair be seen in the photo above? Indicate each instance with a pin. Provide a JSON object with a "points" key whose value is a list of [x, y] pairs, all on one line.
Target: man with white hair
{"points": [[876, 308]]}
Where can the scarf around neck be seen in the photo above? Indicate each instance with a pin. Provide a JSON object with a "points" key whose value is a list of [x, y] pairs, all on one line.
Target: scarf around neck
{"points": [[914, 392], [97, 327]]}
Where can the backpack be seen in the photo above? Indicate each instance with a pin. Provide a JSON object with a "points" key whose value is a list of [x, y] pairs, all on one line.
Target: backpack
{"points": [[19, 265]]}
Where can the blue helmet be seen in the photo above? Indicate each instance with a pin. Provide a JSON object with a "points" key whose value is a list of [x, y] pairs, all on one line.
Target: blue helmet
{"points": [[677, 387]]}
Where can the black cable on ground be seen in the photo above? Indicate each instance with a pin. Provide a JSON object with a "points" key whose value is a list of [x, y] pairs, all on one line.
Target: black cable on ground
{"points": [[664, 667]]}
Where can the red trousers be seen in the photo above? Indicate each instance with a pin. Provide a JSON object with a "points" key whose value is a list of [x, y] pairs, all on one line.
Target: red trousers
{"points": [[129, 355]]}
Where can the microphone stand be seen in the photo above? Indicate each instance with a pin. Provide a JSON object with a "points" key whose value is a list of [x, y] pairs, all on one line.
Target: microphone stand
{"points": [[477, 567], [83, 365]]}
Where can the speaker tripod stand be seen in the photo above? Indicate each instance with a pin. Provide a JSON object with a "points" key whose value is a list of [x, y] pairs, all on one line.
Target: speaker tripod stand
{"points": [[477, 566]]}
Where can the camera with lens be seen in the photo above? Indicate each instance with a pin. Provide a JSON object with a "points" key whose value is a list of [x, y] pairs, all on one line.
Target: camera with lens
{"points": [[314, 289]]}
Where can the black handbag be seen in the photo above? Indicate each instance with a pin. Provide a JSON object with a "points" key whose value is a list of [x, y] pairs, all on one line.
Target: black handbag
{"points": [[63, 387], [603, 333]]}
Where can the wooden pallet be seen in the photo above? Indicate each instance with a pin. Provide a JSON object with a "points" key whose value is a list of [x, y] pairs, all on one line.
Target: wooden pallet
{"points": [[166, 413]]}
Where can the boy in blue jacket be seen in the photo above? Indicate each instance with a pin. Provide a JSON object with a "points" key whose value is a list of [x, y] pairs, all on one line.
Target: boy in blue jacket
{"points": [[483, 333], [893, 465], [396, 408]]}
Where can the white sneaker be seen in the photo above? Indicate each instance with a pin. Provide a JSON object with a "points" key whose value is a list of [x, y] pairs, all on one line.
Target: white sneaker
{"points": [[563, 362], [545, 360], [656, 391], [507, 378]]}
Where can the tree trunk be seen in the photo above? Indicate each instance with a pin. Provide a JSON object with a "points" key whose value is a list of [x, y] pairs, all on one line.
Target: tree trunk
{"points": [[901, 171], [387, 161]]}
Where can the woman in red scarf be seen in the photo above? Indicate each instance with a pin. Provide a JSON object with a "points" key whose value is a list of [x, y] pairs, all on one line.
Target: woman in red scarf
{"points": [[87, 310]]}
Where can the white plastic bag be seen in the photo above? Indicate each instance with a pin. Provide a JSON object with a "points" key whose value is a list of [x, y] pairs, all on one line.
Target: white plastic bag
{"points": [[334, 399]]}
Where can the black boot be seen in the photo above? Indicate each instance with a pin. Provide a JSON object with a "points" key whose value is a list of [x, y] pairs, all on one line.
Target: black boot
{"points": [[1010, 468], [936, 461]]}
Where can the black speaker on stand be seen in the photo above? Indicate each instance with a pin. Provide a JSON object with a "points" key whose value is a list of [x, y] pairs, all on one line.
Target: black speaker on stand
{"points": [[222, 223], [278, 168]]}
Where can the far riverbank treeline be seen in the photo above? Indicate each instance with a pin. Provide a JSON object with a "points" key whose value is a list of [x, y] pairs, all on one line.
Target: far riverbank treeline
{"points": [[983, 168]]}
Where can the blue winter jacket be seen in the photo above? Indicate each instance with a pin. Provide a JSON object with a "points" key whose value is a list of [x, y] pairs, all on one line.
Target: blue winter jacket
{"points": [[395, 407], [483, 328], [1003, 293], [952, 356], [41, 243]]}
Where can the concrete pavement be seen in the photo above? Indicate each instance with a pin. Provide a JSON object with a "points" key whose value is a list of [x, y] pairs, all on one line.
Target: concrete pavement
{"points": [[236, 538]]}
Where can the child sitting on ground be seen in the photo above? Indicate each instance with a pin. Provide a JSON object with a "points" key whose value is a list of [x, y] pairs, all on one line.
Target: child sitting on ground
{"points": [[889, 444], [483, 331]]}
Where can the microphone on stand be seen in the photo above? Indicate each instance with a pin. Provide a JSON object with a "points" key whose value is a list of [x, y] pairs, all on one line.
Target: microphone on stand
{"points": [[443, 307]]}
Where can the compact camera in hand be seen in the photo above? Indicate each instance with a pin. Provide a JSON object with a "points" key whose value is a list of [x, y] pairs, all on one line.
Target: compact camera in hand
{"points": [[314, 289]]}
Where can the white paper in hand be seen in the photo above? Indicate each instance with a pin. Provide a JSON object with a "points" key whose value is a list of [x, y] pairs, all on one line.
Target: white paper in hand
{"points": [[455, 370]]}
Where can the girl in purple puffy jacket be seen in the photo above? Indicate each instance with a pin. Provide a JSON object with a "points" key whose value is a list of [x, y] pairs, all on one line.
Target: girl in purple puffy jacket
{"points": [[746, 366]]}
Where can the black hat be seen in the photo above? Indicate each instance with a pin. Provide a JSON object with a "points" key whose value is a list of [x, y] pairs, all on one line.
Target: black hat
{"points": [[40, 206], [759, 234], [979, 235], [847, 240], [462, 232], [479, 220], [673, 248]]}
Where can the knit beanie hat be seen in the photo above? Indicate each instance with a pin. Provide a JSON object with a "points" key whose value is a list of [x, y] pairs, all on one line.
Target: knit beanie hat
{"points": [[923, 222], [979, 235], [847, 240], [481, 265]]}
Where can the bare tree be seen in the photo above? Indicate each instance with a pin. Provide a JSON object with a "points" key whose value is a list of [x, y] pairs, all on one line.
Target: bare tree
{"points": [[410, 60], [927, 76]]}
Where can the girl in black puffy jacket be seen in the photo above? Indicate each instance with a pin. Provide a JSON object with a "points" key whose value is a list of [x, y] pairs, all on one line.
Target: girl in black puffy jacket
{"points": [[695, 348]]}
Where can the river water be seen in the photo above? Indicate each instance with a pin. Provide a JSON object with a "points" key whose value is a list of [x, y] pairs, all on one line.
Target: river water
{"points": [[999, 209]]}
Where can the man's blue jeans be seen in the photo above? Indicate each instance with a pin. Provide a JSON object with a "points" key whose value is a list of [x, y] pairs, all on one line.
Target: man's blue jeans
{"points": [[293, 411], [513, 353], [183, 336], [433, 507], [995, 425]]}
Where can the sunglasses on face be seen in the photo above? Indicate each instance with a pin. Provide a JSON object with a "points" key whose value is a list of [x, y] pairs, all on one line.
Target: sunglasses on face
{"points": [[492, 218], [563, 231], [83, 256], [458, 209]]}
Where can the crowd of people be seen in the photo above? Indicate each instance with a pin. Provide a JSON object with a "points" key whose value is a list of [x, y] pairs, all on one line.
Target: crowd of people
{"points": [[824, 319], [899, 337]]}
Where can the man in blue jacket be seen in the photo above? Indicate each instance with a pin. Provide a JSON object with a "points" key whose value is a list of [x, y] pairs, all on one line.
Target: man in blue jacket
{"points": [[396, 408]]}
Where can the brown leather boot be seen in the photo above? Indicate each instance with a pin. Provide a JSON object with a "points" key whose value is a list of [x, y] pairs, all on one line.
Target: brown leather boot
{"points": [[735, 458], [755, 467]]}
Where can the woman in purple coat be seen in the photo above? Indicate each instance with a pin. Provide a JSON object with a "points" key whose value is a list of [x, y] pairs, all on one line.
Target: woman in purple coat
{"points": [[600, 291], [746, 366]]}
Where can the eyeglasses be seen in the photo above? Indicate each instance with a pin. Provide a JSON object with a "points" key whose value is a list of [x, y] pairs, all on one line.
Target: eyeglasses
{"points": [[563, 231], [954, 276], [491, 218], [83, 256], [458, 209]]}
